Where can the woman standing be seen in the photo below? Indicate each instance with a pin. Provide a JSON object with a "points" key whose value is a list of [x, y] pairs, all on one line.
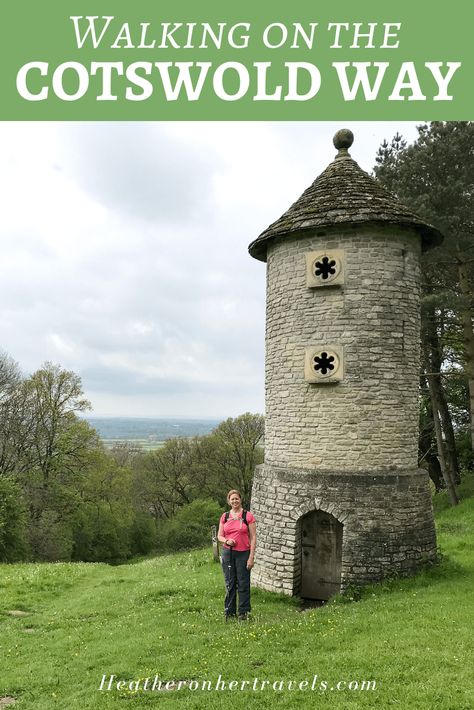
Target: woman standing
{"points": [[237, 532]]}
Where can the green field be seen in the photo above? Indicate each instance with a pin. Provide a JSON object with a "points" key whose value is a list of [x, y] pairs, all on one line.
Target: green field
{"points": [[143, 444], [164, 617]]}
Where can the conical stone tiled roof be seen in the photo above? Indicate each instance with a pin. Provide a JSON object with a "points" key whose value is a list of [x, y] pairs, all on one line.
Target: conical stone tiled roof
{"points": [[343, 194]]}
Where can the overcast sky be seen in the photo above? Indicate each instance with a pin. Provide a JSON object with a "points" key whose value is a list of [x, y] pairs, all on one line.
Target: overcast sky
{"points": [[123, 253]]}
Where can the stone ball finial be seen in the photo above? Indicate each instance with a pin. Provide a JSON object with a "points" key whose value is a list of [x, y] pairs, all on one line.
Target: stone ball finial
{"points": [[343, 139]]}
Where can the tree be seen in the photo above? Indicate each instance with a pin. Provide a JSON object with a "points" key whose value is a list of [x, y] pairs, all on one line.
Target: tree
{"points": [[125, 452], [103, 522], [184, 470], [433, 362], [13, 545], [163, 478], [238, 449], [10, 414], [436, 394], [10, 376], [427, 443], [62, 495], [59, 442], [54, 451], [435, 177]]}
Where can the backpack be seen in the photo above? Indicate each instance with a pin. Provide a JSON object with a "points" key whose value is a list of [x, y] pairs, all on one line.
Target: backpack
{"points": [[244, 517]]}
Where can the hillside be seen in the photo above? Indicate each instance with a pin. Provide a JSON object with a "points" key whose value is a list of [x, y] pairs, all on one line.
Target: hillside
{"points": [[163, 617]]}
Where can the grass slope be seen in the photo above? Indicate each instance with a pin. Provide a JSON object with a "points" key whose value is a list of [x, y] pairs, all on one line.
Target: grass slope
{"points": [[163, 616]]}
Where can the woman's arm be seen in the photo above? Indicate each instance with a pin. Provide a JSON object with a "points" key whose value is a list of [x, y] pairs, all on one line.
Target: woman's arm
{"points": [[253, 542], [229, 541], [220, 533]]}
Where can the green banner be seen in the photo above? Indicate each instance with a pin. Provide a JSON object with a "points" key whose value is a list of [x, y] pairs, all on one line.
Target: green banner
{"points": [[114, 60]]}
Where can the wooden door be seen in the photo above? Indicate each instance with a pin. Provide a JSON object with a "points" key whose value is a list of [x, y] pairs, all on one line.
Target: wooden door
{"points": [[321, 555]]}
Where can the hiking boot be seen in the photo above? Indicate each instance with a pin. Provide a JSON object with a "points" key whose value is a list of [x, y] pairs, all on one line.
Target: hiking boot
{"points": [[243, 617]]}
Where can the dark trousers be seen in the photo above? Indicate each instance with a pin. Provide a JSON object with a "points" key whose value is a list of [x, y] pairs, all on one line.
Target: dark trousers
{"points": [[237, 577]]}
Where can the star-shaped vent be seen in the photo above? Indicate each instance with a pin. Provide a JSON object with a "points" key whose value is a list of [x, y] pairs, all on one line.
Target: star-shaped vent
{"points": [[325, 268], [323, 363]]}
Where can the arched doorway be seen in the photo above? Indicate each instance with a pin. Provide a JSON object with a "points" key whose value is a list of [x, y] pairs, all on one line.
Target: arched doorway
{"points": [[321, 555]]}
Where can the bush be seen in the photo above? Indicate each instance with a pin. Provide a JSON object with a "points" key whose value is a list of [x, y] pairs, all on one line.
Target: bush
{"points": [[143, 535], [50, 537], [13, 532], [100, 535], [112, 539], [83, 535], [191, 526], [464, 449]]}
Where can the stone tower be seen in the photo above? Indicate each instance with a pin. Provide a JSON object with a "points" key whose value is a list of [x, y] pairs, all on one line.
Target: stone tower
{"points": [[339, 499]]}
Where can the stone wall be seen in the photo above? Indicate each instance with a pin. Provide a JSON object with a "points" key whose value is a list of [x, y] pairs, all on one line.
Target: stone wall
{"points": [[370, 420], [387, 523]]}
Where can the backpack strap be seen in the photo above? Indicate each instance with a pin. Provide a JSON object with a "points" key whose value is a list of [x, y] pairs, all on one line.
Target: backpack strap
{"points": [[244, 517]]}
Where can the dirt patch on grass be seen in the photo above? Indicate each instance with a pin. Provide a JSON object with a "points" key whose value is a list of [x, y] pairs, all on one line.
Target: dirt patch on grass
{"points": [[6, 700], [17, 612]]}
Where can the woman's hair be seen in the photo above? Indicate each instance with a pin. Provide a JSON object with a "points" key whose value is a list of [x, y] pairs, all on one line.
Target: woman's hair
{"points": [[232, 492]]}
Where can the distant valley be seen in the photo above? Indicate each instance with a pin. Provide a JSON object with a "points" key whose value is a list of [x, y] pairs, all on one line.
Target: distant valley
{"points": [[149, 432]]}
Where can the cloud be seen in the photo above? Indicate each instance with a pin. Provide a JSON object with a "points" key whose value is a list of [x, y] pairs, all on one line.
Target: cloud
{"points": [[123, 253], [139, 170]]}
